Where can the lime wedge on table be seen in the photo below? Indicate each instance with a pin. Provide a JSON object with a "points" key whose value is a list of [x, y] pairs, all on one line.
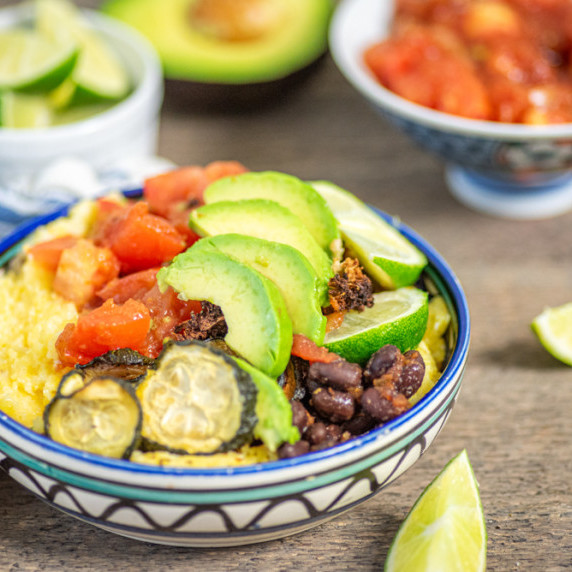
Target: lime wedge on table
{"points": [[32, 63], [98, 74], [445, 529], [554, 330], [24, 111], [397, 317], [384, 252]]}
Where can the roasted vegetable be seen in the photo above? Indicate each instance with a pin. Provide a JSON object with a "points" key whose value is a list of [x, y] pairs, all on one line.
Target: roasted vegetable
{"points": [[100, 415], [123, 363], [197, 401]]}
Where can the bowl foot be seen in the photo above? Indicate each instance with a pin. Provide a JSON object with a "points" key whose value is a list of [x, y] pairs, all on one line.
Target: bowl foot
{"points": [[502, 198]]}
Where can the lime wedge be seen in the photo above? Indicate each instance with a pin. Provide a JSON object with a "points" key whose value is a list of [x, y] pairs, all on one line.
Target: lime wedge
{"points": [[397, 317], [98, 74], [384, 252], [445, 529], [18, 110], [29, 62], [554, 330]]}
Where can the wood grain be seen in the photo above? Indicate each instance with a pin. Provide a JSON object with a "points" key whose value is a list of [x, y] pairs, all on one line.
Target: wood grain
{"points": [[514, 412]]}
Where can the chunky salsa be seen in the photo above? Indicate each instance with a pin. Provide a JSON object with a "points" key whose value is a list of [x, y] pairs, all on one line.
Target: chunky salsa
{"points": [[497, 60]]}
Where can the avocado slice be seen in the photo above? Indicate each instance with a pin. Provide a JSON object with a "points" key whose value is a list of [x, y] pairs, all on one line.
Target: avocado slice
{"points": [[259, 328], [289, 191], [266, 219], [290, 271], [229, 41], [273, 410]]}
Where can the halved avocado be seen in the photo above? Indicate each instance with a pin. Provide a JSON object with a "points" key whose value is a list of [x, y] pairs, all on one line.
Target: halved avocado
{"points": [[289, 191], [230, 43], [259, 328], [288, 269], [265, 219]]}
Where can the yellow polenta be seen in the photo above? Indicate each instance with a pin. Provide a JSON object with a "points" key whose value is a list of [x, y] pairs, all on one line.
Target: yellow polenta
{"points": [[31, 318]]}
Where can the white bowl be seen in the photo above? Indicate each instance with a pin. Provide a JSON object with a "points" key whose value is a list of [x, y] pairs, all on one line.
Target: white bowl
{"points": [[126, 132], [508, 170]]}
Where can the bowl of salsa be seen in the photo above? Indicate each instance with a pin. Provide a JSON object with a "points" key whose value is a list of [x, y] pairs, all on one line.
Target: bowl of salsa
{"points": [[487, 86]]}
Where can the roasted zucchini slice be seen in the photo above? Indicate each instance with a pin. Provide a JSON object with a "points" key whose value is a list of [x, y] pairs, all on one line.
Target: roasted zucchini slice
{"points": [[123, 363], [197, 401], [100, 415]]}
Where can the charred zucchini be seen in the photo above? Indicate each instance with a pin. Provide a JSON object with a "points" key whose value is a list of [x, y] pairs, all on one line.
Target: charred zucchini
{"points": [[197, 401], [99, 415], [123, 363]]}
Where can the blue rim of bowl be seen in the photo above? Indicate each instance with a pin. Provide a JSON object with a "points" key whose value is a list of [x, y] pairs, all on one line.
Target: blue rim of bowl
{"points": [[12, 243], [359, 76]]}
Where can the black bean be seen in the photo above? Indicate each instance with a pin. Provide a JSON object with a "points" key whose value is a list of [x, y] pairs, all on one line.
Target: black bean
{"points": [[334, 432], [412, 375], [386, 362], [359, 424], [316, 433], [326, 444], [383, 406], [336, 406], [290, 450], [300, 416], [340, 374]]}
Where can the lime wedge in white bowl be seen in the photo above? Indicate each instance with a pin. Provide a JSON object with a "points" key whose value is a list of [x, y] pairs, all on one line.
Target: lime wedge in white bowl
{"points": [[383, 251], [98, 74], [23, 111], [31, 62]]}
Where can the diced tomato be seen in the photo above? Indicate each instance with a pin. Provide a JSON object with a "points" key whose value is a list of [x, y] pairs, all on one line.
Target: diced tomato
{"points": [[141, 240], [219, 169], [179, 218], [48, 253], [131, 286], [108, 211], [82, 270], [176, 186], [109, 327], [166, 309], [305, 348], [185, 185]]}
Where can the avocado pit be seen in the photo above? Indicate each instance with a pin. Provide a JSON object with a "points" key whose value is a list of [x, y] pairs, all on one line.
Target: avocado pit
{"points": [[235, 20]]}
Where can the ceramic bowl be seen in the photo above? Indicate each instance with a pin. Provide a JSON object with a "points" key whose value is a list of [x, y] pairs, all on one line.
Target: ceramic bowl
{"points": [[508, 170], [239, 505], [126, 132]]}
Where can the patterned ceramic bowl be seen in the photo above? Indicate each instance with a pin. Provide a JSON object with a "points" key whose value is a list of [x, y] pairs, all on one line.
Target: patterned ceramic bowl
{"points": [[240, 505], [508, 170]]}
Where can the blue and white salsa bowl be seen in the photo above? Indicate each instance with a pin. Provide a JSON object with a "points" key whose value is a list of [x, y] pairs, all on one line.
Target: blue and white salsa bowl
{"points": [[503, 169]]}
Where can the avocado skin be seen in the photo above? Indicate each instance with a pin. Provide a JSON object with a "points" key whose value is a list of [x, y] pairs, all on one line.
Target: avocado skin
{"points": [[259, 328], [265, 219], [289, 191], [290, 271]]}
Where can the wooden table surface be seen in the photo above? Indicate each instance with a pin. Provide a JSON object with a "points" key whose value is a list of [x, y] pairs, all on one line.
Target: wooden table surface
{"points": [[514, 412]]}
